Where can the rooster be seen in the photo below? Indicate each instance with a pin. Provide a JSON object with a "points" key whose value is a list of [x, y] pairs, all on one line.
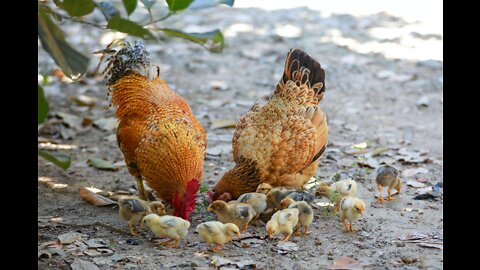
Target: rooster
{"points": [[161, 140], [280, 142]]}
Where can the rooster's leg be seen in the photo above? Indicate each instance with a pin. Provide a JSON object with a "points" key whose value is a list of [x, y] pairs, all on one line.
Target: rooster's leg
{"points": [[141, 189]]}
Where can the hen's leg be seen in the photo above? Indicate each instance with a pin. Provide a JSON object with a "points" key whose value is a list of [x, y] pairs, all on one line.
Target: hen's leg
{"points": [[141, 188]]}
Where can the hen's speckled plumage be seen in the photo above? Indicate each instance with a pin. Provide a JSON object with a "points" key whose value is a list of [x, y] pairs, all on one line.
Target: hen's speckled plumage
{"points": [[280, 142]]}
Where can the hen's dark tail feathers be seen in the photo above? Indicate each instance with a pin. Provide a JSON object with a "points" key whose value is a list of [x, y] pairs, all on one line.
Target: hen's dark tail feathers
{"points": [[303, 69], [127, 59]]}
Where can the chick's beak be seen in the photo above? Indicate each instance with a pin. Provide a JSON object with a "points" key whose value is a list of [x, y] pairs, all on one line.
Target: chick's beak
{"points": [[238, 234], [141, 224]]}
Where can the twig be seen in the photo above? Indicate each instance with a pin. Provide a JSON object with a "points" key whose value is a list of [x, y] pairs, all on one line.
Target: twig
{"points": [[79, 20], [96, 223], [158, 20]]}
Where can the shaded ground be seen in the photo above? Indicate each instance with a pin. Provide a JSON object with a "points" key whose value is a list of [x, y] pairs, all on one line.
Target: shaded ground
{"points": [[396, 104]]}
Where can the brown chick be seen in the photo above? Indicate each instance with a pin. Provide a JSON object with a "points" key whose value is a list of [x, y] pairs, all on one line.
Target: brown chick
{"points": [[132, 210], [388, 176], [276, 195], [283, 222], [351, 208], [234, 212], [264, 188], [305, 214], [158, 208], [215, 232], [280, 142]]}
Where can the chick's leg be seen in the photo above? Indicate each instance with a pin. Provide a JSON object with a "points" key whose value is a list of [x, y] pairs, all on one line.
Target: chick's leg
{"points": [[390, 198], [380, 197], [217, 248], [345, 224], [132, 229], [286, 237], [307, 232], [351, 227], [297, 230], [164, 243], [174, 243], [141, 188]]}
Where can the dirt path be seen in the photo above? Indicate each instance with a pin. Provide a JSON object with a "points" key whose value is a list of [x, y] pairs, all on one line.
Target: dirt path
{"points": [[392, 103]]}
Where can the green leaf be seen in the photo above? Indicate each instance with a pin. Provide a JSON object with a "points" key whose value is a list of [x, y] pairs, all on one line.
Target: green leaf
{"points": [[108, 10], [176, 5], [73, 63], [102, 164], [42, 106], [200, 4], [212, 41], [76, 8], [62, 161], [203, 188], [148, 3], [130, 5], [129, 27]]}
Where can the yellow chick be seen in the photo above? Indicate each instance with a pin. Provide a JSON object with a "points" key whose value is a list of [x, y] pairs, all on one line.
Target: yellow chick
{"points": [[172, 227], [234, 212], [215, 232], [132, 210], [257, 200], [351, 208], [264, 188], [305, 214], [283, 222], [337, 190], [388, 176], [275, 195]]}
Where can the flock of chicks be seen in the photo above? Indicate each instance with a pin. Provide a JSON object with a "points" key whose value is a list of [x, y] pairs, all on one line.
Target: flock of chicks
{"points": [[291, 208]]}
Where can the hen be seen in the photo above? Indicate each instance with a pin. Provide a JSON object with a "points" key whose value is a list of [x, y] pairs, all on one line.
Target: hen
{"points": [[280, 142], [161, 140]]}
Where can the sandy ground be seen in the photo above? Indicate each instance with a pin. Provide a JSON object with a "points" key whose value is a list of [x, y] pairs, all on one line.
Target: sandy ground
{"points": [[381, 89]]}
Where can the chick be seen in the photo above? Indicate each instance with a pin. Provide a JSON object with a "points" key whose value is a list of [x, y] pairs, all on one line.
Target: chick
{"points": [[283, 221], [158, 208], [257, 200], [234, 212], [351, 208], [172, 227], [275, 195], [388, 176], [132, 210], [264, 188], [215, 232], [305, 214], [337, 190]]}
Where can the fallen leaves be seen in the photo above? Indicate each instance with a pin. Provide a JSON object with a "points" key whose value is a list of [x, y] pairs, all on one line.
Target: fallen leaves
{"points": [[285, 247], [219, 262], [93, 198], [69, 237], [222, 123], [102, 164], [345, 263], [79, 264]]}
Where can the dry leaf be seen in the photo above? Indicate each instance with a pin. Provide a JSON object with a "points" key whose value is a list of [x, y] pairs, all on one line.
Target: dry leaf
{"points": [[82, 100], [96, 243], [285, 247], [106, 124], [92, 252], [412, 172], [102, 164], [222, 123], [368, 162], [429, 245], [415, 184], [346, 264], [219, 149], [79, 264], [94, 198], [69, 237]]}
